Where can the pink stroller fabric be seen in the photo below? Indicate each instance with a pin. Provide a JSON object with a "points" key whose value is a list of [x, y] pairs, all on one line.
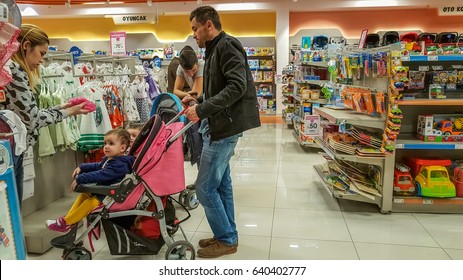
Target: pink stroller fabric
{"points": [[159, 165]]}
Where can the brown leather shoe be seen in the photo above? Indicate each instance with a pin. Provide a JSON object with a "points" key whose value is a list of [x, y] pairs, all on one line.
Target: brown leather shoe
{"points": [[217, 249], [203, 243]]}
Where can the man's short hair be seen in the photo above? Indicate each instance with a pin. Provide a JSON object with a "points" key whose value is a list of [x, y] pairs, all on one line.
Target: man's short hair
{"points": [[205, 13], [188, 59]]}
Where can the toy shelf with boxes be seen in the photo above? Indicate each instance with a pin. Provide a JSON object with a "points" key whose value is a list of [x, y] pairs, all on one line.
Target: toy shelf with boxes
{"points": [[262, 64]]}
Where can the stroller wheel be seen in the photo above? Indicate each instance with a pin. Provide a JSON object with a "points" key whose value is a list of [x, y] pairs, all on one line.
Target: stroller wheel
{"points": [[182, 197], [191, 200], [77, 253], [180, 250]]}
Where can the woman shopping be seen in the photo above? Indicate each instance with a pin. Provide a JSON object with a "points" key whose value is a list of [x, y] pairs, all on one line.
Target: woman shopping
{"points": [[20, 98]]}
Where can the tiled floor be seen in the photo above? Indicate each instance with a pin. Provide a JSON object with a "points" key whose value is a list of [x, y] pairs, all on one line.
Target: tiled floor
{"points": [[283, 212]]}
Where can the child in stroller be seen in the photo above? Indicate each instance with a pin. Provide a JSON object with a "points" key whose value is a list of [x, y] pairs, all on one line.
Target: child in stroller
{"points": [[158, 172]]}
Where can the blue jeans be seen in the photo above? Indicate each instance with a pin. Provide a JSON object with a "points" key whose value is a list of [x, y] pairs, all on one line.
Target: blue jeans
{"points": [[214, 187]]}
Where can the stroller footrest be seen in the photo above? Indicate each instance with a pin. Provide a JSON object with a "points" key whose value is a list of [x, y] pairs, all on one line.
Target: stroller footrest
{"points": [[117, 191]]}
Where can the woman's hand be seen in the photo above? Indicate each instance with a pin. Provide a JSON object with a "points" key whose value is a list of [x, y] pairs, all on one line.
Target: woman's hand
{"points": [[76, 110], [76, 172], [65, 106]]}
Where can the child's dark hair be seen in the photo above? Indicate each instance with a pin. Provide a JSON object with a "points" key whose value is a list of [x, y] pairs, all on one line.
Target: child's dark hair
{"points": [[135, 125], [121, 134], [188, 58]]}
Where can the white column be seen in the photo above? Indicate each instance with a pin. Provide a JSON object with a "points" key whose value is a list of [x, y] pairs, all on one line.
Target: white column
{"points": [[282, 50]]}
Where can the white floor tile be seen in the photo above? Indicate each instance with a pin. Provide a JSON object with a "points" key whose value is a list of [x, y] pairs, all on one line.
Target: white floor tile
{"points": [[369, 251], [307, 198], [192, 224], [256, 166], [308, 224], [300, 249], [297, 180], [400, 229], [249, 248], [304, 167], [455, 254], [447, 230], [254, 179], [249, 221], [260, 153], [254, 197]]}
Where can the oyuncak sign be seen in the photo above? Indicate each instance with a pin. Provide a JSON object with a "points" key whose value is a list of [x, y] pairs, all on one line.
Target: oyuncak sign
{"points": [[451, 10], [133, 19]]}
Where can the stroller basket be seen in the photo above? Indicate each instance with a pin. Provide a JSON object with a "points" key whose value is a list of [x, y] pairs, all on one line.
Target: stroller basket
{"points": [[122, 241]]}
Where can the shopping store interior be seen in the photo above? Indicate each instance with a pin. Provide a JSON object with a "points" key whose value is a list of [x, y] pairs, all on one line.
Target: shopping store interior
{"points": [[350, 106]]}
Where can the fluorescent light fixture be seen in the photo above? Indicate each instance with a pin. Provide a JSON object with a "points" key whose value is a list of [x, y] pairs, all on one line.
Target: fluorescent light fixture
{"points": [[150, 3], [29, 12], [377, 3], [104, 3], [105, 11], [236, 7]]}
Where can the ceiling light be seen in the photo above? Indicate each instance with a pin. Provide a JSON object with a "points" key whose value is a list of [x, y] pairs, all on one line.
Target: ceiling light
{"points": [[29, 12], [377, 3], [68, 3], [236, 7], [106, 11], [104, 3], [150, 3]]}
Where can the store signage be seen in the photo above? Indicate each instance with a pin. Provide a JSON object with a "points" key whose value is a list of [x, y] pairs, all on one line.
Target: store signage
{"points": [[449, 10], [133, 19], [312, 125], [363, 37], [117, 43]]}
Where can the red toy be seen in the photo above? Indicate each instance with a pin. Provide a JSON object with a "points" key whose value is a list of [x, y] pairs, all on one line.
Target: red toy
{"points": [[403, 182], [457, 180], [415, 164]]}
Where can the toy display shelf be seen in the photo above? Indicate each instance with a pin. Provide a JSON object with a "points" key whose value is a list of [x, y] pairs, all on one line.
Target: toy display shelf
{"points": [[431, 102], [354, 158], [351, 117], [298, 97], [408, 141], [427, 204], [313, 63], [302, 143], [427, 58], [264, 95], [312, 82], [263, 82], [338, 194]]}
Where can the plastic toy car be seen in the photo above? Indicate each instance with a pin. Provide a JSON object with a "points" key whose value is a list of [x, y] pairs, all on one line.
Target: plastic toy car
{"points": [[403, 182], [433, 181], [457, 180]]}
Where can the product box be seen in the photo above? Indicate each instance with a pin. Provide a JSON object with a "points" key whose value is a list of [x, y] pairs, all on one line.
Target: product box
{"points": [[253, 64], [440, 128]]}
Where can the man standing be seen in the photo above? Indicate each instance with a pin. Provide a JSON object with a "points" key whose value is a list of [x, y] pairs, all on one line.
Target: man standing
{"points": [[227, 108]]}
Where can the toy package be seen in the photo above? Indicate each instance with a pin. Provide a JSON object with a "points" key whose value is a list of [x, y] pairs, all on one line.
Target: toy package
{"points": [[266, 64], [447, 79], [440, 128], [416, 79], [253, 64], [268, 76]]}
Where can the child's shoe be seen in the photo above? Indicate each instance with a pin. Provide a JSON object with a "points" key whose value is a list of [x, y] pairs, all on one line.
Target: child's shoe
{"points": [[58, 225]]}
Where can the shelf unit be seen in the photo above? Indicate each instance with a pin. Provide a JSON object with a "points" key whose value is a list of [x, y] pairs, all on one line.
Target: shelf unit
{"points": [[264, 80], [339, 116], [408, 145]]}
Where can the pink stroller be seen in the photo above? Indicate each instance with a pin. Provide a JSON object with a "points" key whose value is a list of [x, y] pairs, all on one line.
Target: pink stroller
{"points": [[158, 172]]}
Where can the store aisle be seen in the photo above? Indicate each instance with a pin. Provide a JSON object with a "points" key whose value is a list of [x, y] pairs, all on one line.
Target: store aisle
{"points": [[283, 212]]}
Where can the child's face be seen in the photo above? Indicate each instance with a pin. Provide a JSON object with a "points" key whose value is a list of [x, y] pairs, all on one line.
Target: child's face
{"points": [[133, 134], [113, 146]]}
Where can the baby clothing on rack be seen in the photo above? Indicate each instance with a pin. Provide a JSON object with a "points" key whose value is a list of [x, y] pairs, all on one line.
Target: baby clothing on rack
{"points": [[8, 46]]}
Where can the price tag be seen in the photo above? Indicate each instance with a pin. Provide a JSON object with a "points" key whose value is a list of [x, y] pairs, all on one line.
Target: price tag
{"points": [[423, 68], [437, 68], [399, 200], [312, 125], [399, 146], [405, 58], [427, 201], [457, 66], [458, 146], [433, 58]]}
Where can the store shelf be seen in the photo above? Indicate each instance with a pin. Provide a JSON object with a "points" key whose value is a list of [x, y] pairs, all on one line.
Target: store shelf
{"points": [[430, 102], [302, 143], [428, 58], [298, 97], [352, 117], [338, 194], [354, 158], [409, 142], [314, 63], [427, 204], [312, 82], [263, 82], [265, 95]]}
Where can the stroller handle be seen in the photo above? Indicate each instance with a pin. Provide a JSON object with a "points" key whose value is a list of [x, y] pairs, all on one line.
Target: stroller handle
{"points": [[174, 119], [180, 132]]}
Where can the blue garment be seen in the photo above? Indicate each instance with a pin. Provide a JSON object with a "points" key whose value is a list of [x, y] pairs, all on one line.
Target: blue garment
{"points": [[214, 187], [106, 172]]}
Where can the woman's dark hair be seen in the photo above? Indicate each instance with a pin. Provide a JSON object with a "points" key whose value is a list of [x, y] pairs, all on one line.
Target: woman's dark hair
{"points": [[188, 58], [205, 13]]}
